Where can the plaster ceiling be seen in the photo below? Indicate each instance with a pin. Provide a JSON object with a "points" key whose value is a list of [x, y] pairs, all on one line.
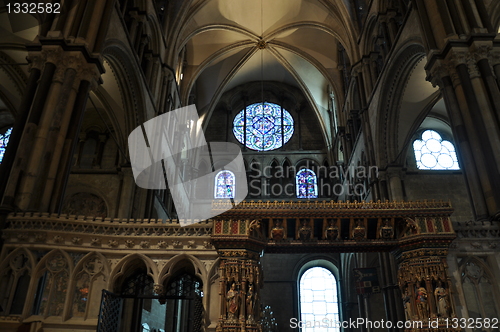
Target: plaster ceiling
{"points": [[221, 39]]}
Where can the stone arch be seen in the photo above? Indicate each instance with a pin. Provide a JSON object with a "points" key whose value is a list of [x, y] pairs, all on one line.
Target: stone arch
{"points": [[88, 202], [317, 260], [31, 258], [12, 276], [495, 15], [127, 76], [391, 97], [76, 286], [38, 271], [484, 271], [175, 263], [367, 43], [126, 264]]}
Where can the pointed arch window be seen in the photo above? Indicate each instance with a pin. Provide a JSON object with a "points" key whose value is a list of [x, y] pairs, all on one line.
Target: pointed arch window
{"points": [[306, 183], [52, 287], [4, 140], [89, 281], [434, 153], [14, 281], [224, 184], [318, 300], [479, 290]]}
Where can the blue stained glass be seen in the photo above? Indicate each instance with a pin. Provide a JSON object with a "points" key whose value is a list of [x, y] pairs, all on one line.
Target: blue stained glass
{"points": [[264, 129], [306, 183], [224, 184], [4, 140]]}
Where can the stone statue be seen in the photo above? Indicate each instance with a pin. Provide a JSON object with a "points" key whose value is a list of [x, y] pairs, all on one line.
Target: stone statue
{"points": [[305, 231], [421, 303], [278, 232], [407, 305], [232, 302], [386, 231], [332, 231], [441, 296], [250, 304], [358, 233]]}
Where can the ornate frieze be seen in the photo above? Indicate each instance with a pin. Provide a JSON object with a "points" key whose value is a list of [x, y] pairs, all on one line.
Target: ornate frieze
{"points": [[81, 231]]}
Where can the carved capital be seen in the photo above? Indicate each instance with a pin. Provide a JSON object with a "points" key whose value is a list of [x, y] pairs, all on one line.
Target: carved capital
{"points": [[458, 57]]}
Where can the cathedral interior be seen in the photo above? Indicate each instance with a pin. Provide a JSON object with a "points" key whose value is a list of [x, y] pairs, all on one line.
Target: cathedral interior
{"points": [[368, 134]]}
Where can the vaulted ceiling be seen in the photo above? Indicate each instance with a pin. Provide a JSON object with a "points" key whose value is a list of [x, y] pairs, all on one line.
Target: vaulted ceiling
{"points": [[233, 42]]}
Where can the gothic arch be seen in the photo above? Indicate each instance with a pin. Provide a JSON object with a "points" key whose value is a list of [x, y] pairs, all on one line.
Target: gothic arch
{"points": [[127, 76], [405, 61], [15, 252], [12, 275], [40, 268], [123, 267], [92, 271], [172, 266]]}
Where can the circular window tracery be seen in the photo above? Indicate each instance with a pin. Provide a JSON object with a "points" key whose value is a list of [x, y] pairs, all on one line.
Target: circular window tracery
{"points": [[432, 152], [263, 126]]}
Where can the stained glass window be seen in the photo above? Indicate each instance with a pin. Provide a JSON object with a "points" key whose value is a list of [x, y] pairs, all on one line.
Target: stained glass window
{"points": [[224, 184], [263, 126], [318, 300], [432, 152], [4, 140], [306, 183]]}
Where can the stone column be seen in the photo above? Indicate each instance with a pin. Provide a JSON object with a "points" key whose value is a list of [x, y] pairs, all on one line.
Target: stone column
{"points": [[127, 193], [462, 50], [395, 174], [471, 97], [40, 151]]}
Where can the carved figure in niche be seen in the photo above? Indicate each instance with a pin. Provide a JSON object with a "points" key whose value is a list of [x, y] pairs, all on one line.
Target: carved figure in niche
{"points": [[421, 303], [358, 233], [250, 304], [441, 295], [278, 232], [407, 305], [232, 302], [386, 231], [332, 231], [254, 229], [85, 204], [305, 231]]}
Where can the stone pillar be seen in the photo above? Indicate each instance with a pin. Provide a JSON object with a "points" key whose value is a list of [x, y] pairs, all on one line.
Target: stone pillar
{"points": [[127, 193], [40, 151], [462, 53], [471, 97], [394, 175]]}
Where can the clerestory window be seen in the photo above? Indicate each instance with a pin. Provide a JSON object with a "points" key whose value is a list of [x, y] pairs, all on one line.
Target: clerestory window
{"points": [[434, 153]]}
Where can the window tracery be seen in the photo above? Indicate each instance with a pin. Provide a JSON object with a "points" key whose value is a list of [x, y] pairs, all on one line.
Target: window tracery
{"points": [[89, 282], [14, 281], [432, 152], [306, 183], [52, 287], [224, 184], [478, 290], [263, 126]]}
